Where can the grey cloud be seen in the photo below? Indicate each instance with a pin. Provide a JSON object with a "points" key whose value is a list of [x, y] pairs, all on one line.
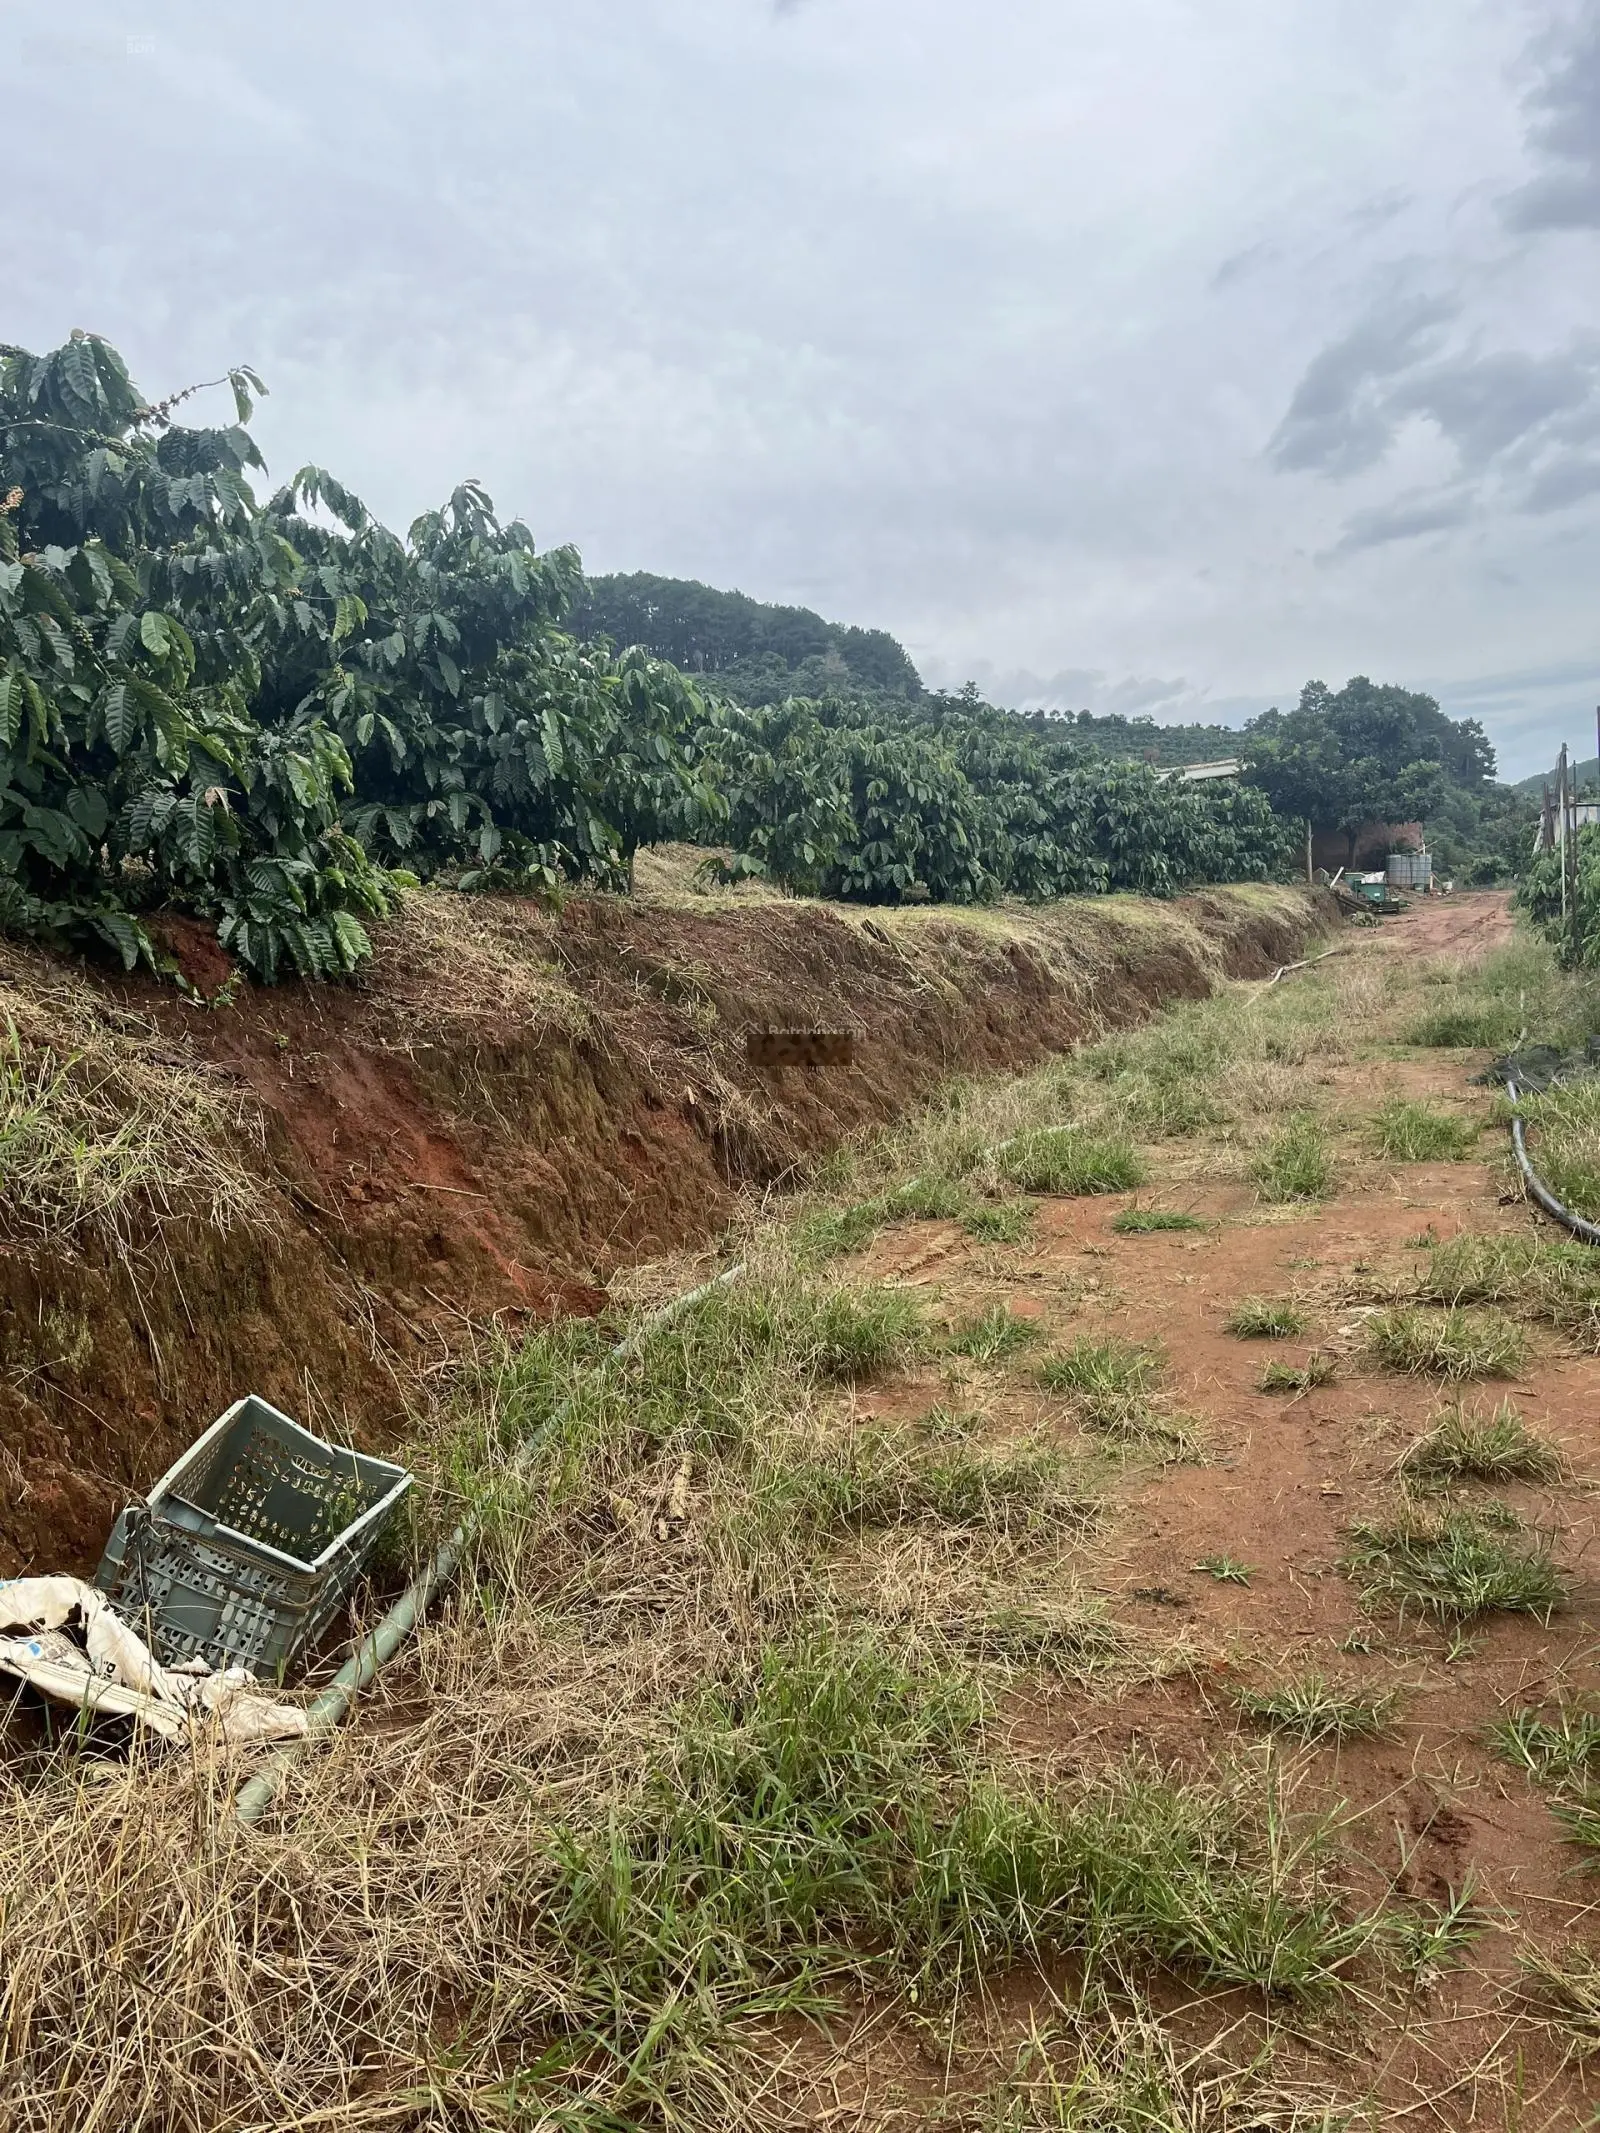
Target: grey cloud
{"points": [[1487, 404], [1166, 702], [1565, 482], [1341, 419], [1403, 519], [1565, 136], [1238, 264], [1515, 421]]}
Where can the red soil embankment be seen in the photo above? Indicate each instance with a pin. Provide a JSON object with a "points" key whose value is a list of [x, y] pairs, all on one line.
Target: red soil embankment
{"points": [[513, 1105]]}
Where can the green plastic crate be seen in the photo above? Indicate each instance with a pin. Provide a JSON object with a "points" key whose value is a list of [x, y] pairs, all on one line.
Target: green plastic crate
{"points": [[247, 1546]]}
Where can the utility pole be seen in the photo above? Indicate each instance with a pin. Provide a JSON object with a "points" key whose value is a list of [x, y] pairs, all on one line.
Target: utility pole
{"points": [[1561, 804]]}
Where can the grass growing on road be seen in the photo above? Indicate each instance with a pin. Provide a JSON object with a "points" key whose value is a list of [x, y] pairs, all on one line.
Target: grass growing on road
{"points": [[1315, 1371], [1110, 1383], [1563, 1750], [1452, 1344], [1417, 1133], [1297, 1163], [993, 1335], [1311, 1708], [1455, 1566], [1470, 1447], [1063, 1160], [1541, 1277], [1265, 1318]]}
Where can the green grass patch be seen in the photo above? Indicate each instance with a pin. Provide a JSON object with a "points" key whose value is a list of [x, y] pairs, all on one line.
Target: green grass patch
{"points": [[1467, 1447], [1430, 1938], [1562, 1751], [1297, 1162], [1110, 1383], [1264, 1318], [1547, 1277], [1147, 1221], [1068, 1162], [714, 1384], [1416, 1133], [1316, 1370], [993, 1335], [1453, 1343], [874, 1477], [832, 1817], [1105, 1369], [1456, 1566], [1163, 1081], [1000, 1222], [1224, 1568], [829, 1233], [1465, 1026], [1311, 1708]]}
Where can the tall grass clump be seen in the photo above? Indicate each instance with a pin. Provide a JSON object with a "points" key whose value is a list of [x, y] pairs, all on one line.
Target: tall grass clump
{"points": [[714, 1384], [829, 1232], [1453, 1343], [1543, 1277], [1070, 1162], [1164, 1081], [803, 1491], [1470, 1447], [1455, 1566], [1110, 1383], [1561, 1751], [1316, 1371], [1297, 1162], [1313, 1709], [1464, 1026], [1264, 1318], [831, 1818], [993, 1335], [1417, 1133]]}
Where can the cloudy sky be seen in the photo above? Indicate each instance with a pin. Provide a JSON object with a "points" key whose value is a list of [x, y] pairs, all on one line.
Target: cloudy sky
{"points": [[1143, 354]]}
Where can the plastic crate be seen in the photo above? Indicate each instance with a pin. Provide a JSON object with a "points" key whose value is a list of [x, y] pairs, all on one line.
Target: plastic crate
{"points": [[246, 1548]]}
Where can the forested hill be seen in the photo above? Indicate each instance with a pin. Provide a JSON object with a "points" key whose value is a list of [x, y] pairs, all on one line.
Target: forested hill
{"points": [[760, 654], [1583, 775]]}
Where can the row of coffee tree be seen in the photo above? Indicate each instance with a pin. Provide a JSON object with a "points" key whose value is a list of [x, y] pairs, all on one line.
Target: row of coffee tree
{"points": [[271, 712]]}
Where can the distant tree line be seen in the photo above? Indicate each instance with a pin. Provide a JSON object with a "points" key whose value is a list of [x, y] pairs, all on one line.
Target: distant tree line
{"points": [[1340, 760]]}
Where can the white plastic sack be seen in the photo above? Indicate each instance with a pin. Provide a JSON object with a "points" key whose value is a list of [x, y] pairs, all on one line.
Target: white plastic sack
{"points": [[62, 1636]]}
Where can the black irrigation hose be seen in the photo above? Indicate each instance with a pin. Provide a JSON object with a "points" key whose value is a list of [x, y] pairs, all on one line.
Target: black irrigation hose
{"points": [[1587, 1231]]}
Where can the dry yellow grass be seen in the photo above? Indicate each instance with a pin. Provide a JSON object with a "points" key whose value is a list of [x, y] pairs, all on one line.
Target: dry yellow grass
{"points": [[102, 1122]]}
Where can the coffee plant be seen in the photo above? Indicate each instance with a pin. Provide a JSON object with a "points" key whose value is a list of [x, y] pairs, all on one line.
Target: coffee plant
{"points": [[256, 712], [827, 799], [271, 713]]}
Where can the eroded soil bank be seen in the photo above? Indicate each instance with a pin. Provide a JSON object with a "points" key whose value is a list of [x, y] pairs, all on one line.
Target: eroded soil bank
{"points": [[513, 1106]]}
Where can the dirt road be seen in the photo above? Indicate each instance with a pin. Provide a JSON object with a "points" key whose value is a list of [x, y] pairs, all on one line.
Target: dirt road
{"points": [[1435, 1814]]}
